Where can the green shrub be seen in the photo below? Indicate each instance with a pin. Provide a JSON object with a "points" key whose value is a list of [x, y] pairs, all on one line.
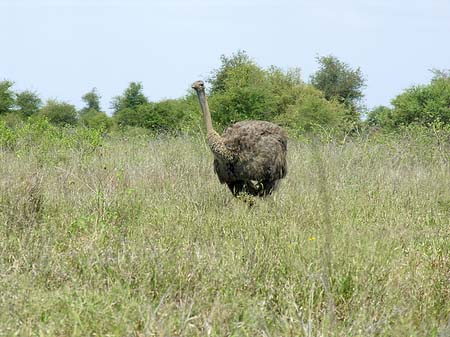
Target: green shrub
{"points": [[338, 81], [242, 90], [59, 113], [7, 97], [381, 116], [423, 104], [129, 117], [310, 111], [95, 119], [246, 94], [8, 137], [172, 115], [131, 98], [12, 119], [27, 103]]}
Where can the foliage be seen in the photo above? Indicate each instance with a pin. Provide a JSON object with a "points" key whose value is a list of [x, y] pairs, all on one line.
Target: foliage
{"points": [[131, 98], [218, 78], [59, 113], [243, 90], [381, 116], [48, 140], [311, 111], [240, 90], [423, 104], [27, 103], [7, 97], [95, 119], [245, 94], [92, 100], [337, 80], [169, 115], [286, 86], [131, 117], [8, 136], [163, 116], [440, 74], [12, 119], [91, 115]]}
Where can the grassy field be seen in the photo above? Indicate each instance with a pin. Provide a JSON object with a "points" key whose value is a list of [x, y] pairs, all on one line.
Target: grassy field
{"points": [[136, 237]]}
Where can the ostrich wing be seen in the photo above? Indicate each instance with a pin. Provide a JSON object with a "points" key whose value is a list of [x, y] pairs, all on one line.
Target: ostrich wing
{"points": [[261, 148]]}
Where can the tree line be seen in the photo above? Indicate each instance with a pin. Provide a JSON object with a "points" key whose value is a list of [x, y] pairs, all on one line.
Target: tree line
{"points": [[240, 89]]}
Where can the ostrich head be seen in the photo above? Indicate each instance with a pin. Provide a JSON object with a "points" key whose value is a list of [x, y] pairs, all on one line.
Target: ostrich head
{"points": [[198, 86]]}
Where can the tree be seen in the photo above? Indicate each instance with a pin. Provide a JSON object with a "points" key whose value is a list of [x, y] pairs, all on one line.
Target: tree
{"points": [[28, 103], [286, 87], [130, 99], [381, 116], [239, 90], [311, 110], [59, 113], [91, 115], [219, 77], [242, 90], [440, 74], [92, 100], [426, 105], [423, 104], [337, 80], [7, 97]]}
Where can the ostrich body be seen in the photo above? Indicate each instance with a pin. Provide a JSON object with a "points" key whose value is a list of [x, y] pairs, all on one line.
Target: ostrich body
{"points": [[250, 156]]}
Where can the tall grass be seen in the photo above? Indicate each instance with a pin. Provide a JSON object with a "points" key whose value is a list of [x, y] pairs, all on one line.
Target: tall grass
{"points": [[136, 237]]}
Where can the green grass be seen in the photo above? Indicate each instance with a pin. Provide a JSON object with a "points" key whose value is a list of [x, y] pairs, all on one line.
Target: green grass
{"points": [[136, 237]]}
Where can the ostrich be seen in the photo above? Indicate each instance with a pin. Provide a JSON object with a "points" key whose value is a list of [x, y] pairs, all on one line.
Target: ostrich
{"points": [[250, 156]]}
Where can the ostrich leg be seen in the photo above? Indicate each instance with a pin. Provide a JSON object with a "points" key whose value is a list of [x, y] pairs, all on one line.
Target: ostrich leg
{"points": [[236, 187]]}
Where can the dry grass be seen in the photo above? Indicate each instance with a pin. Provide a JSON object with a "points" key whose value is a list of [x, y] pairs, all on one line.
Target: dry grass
{"points": [[137, 238]]}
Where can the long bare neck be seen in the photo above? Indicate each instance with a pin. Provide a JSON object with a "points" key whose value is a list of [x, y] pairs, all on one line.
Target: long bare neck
{"points": [[205, 110], [215, 141]]}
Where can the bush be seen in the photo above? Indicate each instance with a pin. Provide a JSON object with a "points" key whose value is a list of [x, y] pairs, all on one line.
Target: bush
{"points": [[49, 142], [8, 137], [130, 117], [246, 95], [424, 104], [59, 113], [27, 103], [242, 90], [95, 119], [12, 119], [7, 97], [164, 116], [170, 115], [381, 116], [311, 110]]}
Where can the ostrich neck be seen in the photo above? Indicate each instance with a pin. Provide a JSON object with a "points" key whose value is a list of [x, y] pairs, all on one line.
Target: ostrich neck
{"points": [[205, 109], [215, 141]]}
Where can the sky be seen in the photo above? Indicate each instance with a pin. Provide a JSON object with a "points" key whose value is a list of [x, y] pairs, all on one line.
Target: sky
{"points": [[64, 48]]}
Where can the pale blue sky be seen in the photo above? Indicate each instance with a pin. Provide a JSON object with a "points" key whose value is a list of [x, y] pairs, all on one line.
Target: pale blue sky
{"points": [[63, 48]]}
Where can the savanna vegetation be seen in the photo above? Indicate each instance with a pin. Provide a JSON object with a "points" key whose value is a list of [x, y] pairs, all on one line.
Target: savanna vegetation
{"points": [[117, 226]]}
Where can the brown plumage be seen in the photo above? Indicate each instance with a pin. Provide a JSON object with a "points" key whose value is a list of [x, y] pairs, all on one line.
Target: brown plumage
{"points": [[250, 156]]}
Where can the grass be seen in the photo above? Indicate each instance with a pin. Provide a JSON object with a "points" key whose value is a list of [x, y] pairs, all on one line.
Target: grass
{"points": [[136, 237]]}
